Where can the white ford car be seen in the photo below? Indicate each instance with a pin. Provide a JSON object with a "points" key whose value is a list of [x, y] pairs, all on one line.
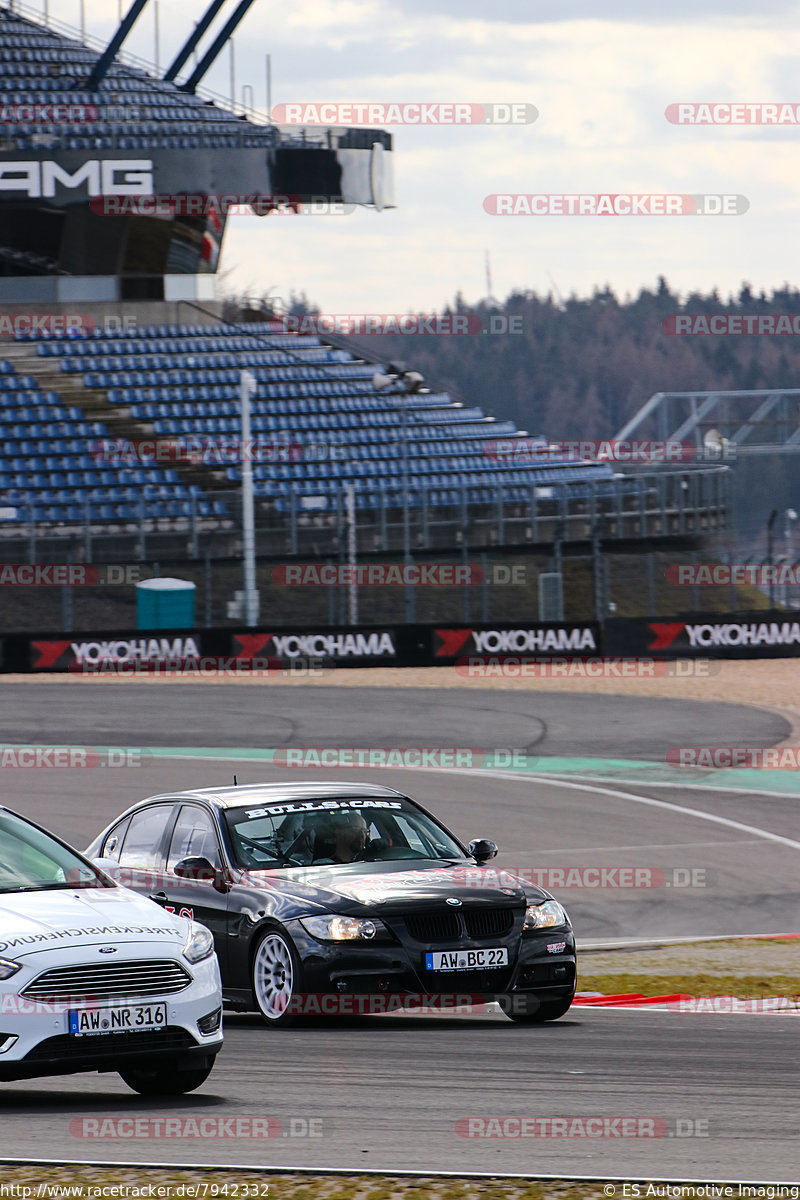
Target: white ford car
{"points": [[96, 978]]}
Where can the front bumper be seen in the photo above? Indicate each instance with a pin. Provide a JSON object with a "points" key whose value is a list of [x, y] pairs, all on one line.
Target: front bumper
{"points": [[398, 968], [35, 1038]]}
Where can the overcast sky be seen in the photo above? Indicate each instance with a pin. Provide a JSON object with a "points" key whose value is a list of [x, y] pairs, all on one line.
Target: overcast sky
{"points": [[600, 76]]}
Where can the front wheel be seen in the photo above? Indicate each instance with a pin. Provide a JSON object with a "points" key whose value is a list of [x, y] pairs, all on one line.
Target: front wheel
{"points": [[529, 1010], [163, 1079], [276, 978]]}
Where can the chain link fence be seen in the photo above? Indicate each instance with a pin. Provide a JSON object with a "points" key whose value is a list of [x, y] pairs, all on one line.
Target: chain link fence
{"points": [[479, 587]]}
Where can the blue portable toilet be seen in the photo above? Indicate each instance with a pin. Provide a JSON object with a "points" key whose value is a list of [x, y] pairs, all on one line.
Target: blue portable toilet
{"points": [[165, 604]]}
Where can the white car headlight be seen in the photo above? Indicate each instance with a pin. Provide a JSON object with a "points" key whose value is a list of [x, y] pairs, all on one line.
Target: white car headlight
{"points": [[199, 943], [8, 968], [344, 929], [545, 916]]}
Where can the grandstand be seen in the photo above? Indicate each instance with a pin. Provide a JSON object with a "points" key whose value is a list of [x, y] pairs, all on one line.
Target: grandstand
{"points": [[316, 417], [62, 398], [315, 401]]}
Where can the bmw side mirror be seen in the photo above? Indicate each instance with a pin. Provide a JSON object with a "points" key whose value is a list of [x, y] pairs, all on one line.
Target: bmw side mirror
{"points": [[195, 868], [202, 871], [482, 849]]}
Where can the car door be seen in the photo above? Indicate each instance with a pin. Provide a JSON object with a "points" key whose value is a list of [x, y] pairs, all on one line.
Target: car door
{"points": [[202, 896]]}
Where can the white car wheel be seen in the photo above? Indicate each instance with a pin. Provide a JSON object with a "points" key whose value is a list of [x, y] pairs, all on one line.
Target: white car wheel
{"points": [[275, 978]]}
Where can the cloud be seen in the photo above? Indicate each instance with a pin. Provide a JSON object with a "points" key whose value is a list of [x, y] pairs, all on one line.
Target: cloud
{"points": [[601, 78]]}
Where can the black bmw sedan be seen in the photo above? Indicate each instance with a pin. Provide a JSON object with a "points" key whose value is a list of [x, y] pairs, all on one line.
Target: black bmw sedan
{"points": [[337, 898]]}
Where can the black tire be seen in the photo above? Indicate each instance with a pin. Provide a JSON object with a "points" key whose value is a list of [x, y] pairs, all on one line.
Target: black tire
{"points": [[529, 1010], [164, 1079], [275, 979]]}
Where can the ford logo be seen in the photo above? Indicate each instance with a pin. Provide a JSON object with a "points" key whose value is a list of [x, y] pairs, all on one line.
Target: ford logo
{"points": [[107, 950], [452, 900]]}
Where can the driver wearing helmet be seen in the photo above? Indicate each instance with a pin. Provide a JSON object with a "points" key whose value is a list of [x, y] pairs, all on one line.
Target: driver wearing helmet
{"points": [[346, 836]]}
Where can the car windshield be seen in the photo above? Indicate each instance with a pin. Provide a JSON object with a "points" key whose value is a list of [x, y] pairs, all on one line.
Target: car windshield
{"points": [[32, 861], [302, 833]]}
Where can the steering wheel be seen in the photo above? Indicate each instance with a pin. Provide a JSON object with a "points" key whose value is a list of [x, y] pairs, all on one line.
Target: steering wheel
{"points": [[249, 845], [376, 847]]}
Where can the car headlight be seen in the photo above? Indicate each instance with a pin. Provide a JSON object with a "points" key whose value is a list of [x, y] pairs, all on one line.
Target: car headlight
{"points": [[545, 916], [199, 943], [345, 929], [8, 968]]}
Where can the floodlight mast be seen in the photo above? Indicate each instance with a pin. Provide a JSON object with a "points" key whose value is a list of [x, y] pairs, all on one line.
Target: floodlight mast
{"points": [[216, 47], [248, 385], [101, 67], [194, 37]]}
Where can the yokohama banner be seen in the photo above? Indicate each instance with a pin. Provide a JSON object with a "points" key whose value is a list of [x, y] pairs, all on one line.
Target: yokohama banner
{"points": [[484, 642], [347, 647], [728, 635], [90, 653], [295, 650]]}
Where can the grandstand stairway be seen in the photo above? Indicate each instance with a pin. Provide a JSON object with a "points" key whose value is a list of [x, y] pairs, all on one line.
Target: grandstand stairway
{"points": [[95, 405]]}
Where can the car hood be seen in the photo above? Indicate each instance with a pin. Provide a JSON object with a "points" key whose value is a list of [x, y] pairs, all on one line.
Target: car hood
{"points": [[31, 922], [394, 885]]}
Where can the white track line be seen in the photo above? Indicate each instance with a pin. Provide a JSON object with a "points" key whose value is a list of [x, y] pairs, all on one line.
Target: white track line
{"points": [[636, 799], [246, 756], [687, 786], [576, 785]]}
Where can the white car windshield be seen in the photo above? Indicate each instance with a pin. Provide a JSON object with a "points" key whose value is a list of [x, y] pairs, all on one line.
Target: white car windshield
{"points": [[31, 861]]}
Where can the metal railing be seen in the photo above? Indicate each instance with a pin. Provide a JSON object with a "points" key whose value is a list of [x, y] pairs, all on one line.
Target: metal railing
{"points": [[642, 507]]}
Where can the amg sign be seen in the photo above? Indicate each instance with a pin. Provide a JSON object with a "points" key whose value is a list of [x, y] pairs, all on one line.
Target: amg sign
{"points": [[100, 177]]}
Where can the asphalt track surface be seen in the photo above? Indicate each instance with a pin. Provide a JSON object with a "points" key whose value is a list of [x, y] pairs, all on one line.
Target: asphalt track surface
{"points": [[387, 1092]]}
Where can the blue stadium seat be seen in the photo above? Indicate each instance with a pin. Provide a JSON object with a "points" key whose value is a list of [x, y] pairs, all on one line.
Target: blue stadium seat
{"points": [[183, 381]]}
